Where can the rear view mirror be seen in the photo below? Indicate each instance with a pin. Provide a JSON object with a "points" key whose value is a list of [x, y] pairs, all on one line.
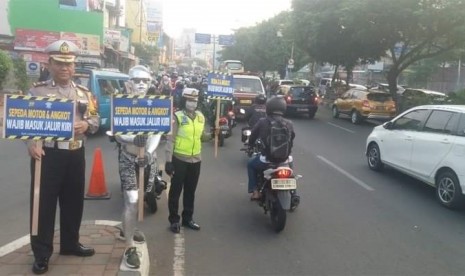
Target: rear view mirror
{"points": [[388, 125]]}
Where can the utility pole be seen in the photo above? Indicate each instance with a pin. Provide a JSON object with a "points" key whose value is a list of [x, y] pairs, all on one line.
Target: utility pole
{"points": [[140, 22], [214, 52]]}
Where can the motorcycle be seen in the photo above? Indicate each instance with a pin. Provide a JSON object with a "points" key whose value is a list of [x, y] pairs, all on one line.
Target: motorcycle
{"points": [[153, 192], [250, 150], [277, 186], [227, 121]]}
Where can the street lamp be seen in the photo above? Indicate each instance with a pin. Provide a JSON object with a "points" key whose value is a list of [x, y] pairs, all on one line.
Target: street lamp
{"points": [[290, 62]]}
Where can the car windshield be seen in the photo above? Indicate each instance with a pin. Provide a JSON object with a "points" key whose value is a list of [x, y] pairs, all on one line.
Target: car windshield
{"points": [[287, 82], [234, 65], [300, 91], [379, 97], [82, 79], [248, 85]]}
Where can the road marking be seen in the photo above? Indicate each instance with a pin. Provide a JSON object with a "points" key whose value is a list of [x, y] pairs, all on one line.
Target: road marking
{"points": [[338, 126], [353, 178], [179, 247]]}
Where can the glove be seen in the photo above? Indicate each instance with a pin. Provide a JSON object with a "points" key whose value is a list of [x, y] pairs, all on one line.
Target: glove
{"points": [[169, 168], [140, 140], [144, 161]]}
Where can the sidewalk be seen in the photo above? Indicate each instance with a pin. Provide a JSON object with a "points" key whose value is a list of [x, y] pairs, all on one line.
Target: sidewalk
{"points": [[16, 258]]}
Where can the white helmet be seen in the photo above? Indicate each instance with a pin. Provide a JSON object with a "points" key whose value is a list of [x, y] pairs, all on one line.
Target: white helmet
{"points": [[139, 78]]}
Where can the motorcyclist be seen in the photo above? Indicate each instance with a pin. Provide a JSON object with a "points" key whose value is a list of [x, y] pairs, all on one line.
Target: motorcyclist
{"points": [[275, 109], [256, 111], [128, 165], [165, 87]]}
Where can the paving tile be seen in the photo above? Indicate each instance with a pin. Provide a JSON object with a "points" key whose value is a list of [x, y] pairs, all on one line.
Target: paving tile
{"points": [[97, 259], [110, 272], [95, 236], [66, 260], [22, 259], [103, 248], [117, 252], [92, 270], [7, 258], [104, 240], [62, 270], [14, 268]]}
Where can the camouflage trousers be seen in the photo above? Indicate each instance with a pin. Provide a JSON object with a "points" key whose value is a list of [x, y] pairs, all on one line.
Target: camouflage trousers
{"points": [[128, 173]]}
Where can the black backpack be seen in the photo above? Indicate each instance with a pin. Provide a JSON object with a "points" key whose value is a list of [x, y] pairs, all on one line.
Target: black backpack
{"points": [[279, 141]]}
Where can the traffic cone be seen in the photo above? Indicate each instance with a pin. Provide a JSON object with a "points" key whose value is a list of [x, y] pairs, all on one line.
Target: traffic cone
{"points": [[97, 186]]}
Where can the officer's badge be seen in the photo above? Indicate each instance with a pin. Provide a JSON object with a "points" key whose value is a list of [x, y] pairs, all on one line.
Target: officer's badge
{"points": [[48, 105], [64, 48], [184, 120]]}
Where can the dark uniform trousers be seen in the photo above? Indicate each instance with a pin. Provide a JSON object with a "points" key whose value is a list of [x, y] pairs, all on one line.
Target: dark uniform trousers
{"points": [[62, 179], [186, 175]]}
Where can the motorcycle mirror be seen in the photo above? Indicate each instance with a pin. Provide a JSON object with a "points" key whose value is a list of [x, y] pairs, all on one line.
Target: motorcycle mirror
{"points": [[299, 176]]}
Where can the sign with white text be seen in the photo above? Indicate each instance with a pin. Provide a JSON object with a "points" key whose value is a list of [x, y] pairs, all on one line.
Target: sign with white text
{"points": [[141, 114], [220, 85], [38, 118]]}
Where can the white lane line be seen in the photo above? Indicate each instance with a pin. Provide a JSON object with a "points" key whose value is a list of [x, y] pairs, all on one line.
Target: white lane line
{"points": [[179, 248], [353, 178], [338, 126]]}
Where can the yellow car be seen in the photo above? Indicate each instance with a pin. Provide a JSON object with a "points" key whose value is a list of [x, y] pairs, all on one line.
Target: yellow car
{"points": [[362, 104]]}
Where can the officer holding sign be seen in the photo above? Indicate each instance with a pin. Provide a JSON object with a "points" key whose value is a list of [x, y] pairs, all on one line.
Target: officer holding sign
{"points": [[63, 163], [183, 159]]}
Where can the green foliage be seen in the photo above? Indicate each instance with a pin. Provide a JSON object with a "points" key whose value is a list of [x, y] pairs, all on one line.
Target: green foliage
{"points": [[5, 66], [22, 81], [261, 49], [457, 97], [147, 53]]}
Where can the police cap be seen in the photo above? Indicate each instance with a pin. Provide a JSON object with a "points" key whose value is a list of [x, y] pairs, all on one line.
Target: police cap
{"points": [[62, 50]]}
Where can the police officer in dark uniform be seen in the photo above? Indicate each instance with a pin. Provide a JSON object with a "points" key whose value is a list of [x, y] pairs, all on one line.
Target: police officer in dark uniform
{"points": [[63, 163]]}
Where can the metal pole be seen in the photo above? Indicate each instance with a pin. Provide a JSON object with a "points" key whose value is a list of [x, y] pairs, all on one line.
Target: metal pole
{"points": [[214, 52], [459, 73], [140, 22]]}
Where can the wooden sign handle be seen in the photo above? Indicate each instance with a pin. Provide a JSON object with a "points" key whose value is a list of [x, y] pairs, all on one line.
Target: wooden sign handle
{"points": [[217, 126], [141, 186], [36, 193]]}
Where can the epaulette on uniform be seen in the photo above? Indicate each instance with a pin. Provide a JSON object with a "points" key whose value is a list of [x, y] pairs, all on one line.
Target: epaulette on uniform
{"points": [[83, 87], [39, 83]]}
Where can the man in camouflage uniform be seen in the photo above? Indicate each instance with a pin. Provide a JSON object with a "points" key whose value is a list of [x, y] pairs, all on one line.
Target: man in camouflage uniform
{"points": [[63, 163]]}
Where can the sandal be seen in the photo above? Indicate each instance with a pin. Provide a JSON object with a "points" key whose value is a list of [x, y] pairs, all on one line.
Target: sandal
{"points": [[255, 195]]}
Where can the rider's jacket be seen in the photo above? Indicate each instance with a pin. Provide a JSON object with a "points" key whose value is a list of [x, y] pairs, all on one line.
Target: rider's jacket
{"points": [[254, 113], [262, 130]]}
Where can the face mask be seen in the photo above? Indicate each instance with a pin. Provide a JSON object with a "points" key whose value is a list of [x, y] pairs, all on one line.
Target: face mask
{"points": [[191, 105]]}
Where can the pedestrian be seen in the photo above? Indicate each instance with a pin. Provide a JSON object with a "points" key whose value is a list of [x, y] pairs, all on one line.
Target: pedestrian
{"points": [[63, 163], [44, 73], [183, 159]]}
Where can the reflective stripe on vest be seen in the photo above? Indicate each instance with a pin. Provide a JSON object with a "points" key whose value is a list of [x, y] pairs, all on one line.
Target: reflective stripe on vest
{"points": [[188, 139]]}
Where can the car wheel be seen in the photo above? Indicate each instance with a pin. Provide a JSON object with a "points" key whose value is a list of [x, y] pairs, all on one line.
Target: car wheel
{"points": [[335, 112], [448, 190], [374, 157], [355, 117]]}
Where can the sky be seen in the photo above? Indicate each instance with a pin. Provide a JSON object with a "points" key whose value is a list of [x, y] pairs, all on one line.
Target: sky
{"points": [[218, 16]]}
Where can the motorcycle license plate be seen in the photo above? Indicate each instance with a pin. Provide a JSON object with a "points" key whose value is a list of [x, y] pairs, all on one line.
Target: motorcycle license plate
{"points": [[245, 101], [283, 184]]}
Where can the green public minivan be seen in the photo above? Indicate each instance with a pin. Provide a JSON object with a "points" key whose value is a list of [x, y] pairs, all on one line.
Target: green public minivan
{"points": [[102, 83]]}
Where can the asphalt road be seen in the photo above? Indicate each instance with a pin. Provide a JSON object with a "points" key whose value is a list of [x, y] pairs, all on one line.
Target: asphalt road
{"points": [[351, 221]]}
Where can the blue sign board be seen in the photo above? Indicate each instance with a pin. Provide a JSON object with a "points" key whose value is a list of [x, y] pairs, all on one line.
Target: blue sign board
{"points": [[203, 38], [38, 118], [141, 114], [226, 40], [220, 85]]}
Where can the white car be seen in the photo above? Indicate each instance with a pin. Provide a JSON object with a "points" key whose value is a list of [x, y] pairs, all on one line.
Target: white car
{"points": [[428, 143]]}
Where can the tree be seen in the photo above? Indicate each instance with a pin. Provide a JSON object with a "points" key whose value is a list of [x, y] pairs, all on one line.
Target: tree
{"points": [[5, 66], [322, 30], [147, 53], [22, 81], [408, 30], [261, 49]]}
